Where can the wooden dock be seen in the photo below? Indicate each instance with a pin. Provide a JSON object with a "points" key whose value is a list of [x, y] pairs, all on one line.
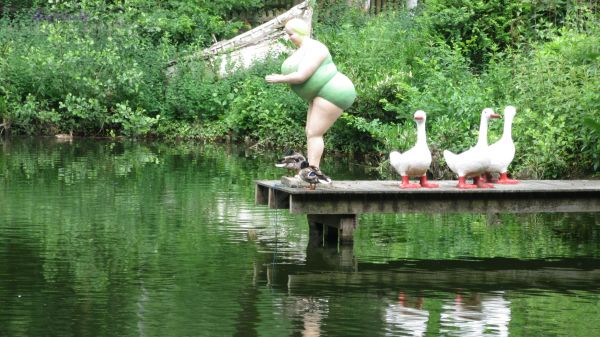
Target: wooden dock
{"points": [[337, 205], [384, 196]]}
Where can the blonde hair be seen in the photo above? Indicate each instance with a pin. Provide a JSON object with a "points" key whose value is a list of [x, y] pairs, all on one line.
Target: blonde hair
{"points": [[299, 26]]}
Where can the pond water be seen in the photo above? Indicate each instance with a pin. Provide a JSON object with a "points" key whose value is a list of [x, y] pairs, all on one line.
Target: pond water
{"points": [[101, 238]]}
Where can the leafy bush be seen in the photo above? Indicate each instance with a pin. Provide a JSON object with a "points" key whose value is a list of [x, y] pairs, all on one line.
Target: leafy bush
{"points": [[86, 114], [267, 115], [100, 68], [479, 29], [379, 56], [552, 84], [133, 122], [179, 21], [30, 116], [555, 87], [194, 93], [81, 70]]}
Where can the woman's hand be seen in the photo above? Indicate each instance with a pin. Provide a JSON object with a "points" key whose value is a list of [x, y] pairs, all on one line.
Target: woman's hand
{"points": [[275, 78]]}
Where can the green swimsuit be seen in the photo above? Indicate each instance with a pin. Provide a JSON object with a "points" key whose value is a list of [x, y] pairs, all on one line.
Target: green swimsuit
{"points": [[325, 82]]}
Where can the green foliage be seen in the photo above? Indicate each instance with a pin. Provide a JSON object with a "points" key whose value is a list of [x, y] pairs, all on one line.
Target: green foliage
{"points": [[2, 106], [266, 115], [479, 29], [194, 93], [86, 113], [392, 37], [30, 116], [401, 71], [180, 21], [82, 71], [133, 122], [13, 7], [238, 107], [385, 48], [552, 84], [556, 90], [100, 68]]}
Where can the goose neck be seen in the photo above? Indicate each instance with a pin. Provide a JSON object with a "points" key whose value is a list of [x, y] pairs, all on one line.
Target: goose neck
{"points": [[421, 136], [483, 126], [507, 128]]}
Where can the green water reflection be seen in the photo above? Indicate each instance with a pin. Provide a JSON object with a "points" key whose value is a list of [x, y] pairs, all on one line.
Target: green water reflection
{"points": [[101, 238]]}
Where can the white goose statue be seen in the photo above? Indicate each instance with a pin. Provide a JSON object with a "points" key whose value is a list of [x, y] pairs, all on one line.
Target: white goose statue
{"points": [[414, 162], [502, 152], [475, 161]]}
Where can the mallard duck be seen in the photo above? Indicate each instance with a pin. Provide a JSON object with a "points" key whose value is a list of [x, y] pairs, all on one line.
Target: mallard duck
{"points": [[323, 179], [416, 161], [291, 161], [475, 161], [502, 152], [312, 175], [308, 174]]}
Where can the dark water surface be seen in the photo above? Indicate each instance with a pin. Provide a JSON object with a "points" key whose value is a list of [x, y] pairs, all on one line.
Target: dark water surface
{"points": [[101, 238]]}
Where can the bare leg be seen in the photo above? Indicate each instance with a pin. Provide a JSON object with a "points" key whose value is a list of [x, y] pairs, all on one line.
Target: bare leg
{"points": [[308, 114], [321, 116]]}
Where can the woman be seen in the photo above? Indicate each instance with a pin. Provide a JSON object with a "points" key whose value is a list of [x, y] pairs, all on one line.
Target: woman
{"points": [[313, 76]]}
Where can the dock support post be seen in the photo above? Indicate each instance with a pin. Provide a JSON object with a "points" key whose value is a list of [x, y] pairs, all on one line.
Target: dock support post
{"points": [[332, 227]]}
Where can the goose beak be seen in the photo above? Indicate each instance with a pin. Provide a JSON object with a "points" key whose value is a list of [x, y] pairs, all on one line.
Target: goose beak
{"points": [[419, 118], [495, 116]]}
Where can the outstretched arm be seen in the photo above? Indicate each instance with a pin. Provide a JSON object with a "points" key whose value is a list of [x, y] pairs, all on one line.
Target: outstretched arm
{"points": [[275, 78]]}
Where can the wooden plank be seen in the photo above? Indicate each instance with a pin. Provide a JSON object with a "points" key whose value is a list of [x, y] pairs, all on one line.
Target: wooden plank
{"points": [[419, 204], [345, 224], [446, 187], [261, 195], [278, 199], [355, 197]]}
